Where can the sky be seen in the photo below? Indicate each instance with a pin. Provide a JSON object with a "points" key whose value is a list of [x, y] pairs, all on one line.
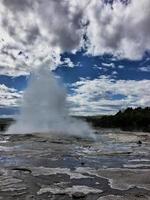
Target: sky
{"points": [[100, 49]]}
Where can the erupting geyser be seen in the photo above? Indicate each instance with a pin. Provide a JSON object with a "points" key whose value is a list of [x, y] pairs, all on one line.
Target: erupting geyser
{"points": [[44, 108]]}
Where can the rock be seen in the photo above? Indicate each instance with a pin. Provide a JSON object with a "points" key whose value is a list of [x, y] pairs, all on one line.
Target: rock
{"points": [[78, 195], [139, 195], [139, 142], [82, 163]]}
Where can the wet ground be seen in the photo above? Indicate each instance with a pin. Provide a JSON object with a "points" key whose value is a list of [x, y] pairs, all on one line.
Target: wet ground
{"points": [[114, 166]]}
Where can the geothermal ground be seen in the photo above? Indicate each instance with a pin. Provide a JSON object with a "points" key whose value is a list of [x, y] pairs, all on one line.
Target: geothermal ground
{"points": [[116, 166]]}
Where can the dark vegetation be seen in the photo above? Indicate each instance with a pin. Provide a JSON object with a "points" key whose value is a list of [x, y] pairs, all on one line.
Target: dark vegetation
{"points": [[137, 119]]}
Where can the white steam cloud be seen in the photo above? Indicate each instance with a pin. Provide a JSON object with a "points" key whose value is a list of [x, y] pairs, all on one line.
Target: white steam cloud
{"points": [[44, 108]]}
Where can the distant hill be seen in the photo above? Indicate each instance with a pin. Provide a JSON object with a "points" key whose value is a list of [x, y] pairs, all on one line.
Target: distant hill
{"points": [[130, 119]]}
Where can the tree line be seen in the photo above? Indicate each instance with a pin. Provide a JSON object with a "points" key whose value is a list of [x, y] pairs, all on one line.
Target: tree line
{"points": [[129, 119]]}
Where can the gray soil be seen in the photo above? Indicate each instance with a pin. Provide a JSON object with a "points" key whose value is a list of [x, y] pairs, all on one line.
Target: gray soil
{"points": [[114, 166]]}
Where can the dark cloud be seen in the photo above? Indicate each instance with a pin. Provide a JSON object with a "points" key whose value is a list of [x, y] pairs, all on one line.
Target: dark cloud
{"points": [[18, 5], [32, 34]]}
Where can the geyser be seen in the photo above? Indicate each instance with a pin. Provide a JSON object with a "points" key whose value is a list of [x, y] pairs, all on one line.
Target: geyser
{"points": [[44, 108]]}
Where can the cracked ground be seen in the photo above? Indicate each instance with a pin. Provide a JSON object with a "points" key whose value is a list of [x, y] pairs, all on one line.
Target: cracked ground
{"points": [[114, 166]]}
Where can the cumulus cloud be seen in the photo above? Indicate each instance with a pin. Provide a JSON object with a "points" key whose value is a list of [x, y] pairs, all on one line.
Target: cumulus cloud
{"points": [[103, 95], [106, 96], [119, 29], [9, 97], [42, 30]]}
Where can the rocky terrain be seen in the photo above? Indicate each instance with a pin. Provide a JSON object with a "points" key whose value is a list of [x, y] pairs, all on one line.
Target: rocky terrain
{"points": [[113, 166]]}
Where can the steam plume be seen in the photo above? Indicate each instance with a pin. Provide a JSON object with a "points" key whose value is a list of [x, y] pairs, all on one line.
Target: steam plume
{"points": [[44, 108]]}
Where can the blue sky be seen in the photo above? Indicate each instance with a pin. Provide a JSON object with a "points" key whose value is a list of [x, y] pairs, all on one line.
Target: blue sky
{"points": [[100, 51]]}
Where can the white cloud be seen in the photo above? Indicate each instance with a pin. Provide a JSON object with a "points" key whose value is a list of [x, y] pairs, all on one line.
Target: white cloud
{"points": [[121, 66], [145, 69], [107, 96], [9, 97], [68, 63], [41, 30], [123, 31], [114, 73], [99, 96], [111, 65]]}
